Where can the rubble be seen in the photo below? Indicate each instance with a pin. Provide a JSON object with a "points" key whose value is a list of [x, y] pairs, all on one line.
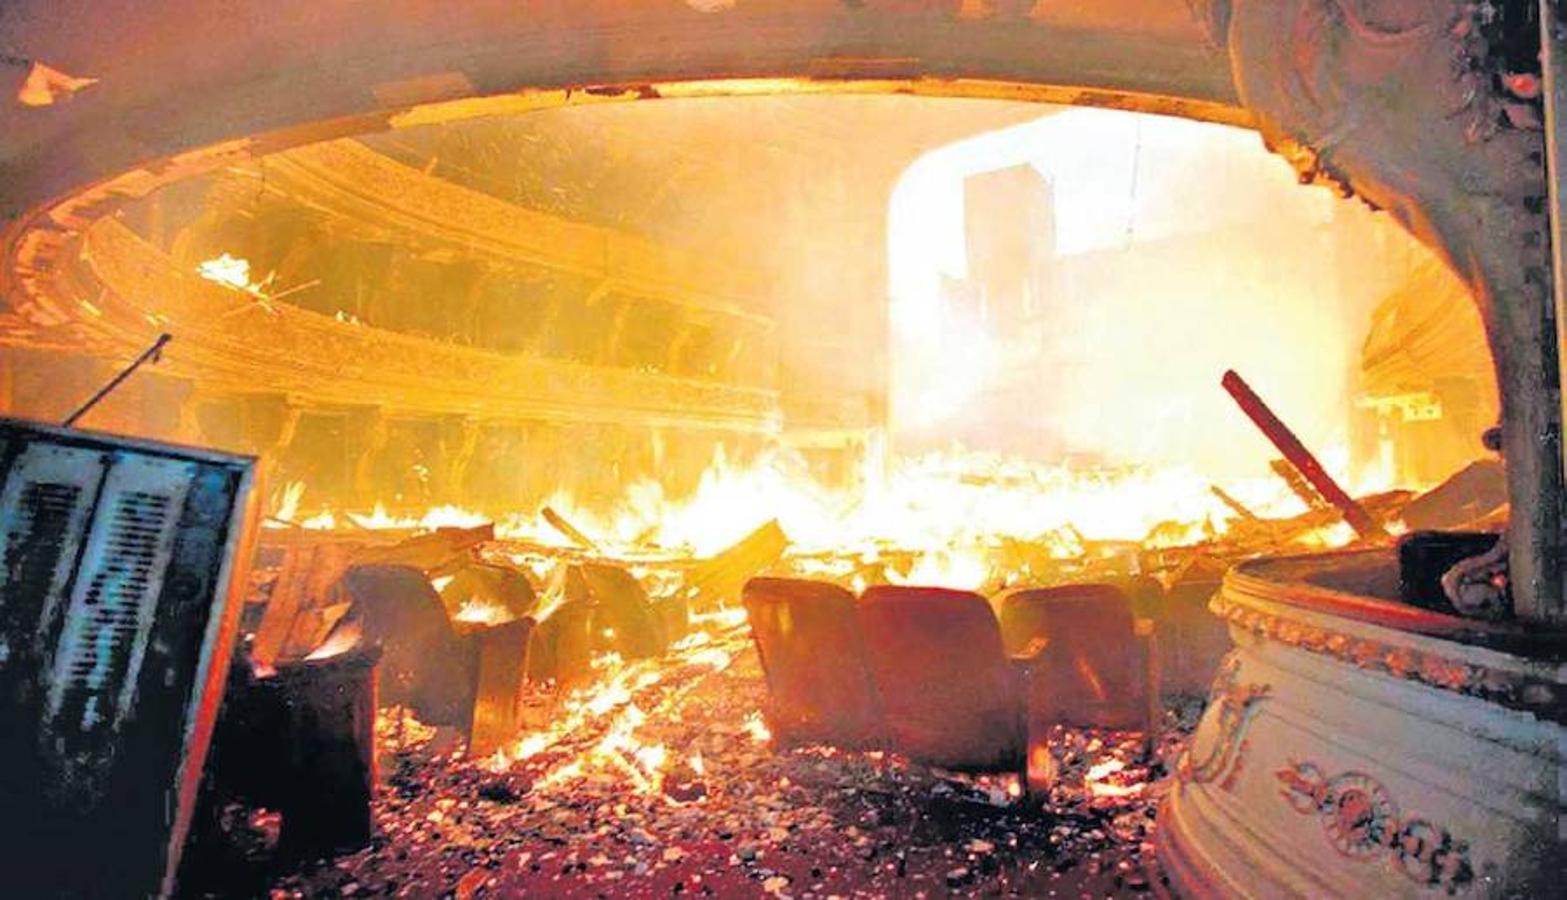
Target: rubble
{"points": [[733, 816], [642, 763]]}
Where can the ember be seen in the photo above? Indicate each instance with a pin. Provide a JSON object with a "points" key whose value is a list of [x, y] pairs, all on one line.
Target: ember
{"points": [[837, 480], [690, 799]]}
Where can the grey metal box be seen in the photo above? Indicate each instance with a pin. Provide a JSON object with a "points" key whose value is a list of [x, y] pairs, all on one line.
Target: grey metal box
{"points": [[121, 572]]}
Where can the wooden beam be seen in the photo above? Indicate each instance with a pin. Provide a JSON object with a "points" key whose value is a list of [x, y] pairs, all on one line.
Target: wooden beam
{"points": [[1300, 458]]}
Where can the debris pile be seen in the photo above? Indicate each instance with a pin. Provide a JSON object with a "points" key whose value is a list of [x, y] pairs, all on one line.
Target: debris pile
{"points": [[636, 759], [579, 814]]}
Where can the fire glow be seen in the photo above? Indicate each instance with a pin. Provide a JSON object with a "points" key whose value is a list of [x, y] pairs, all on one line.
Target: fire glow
{"points": [[950, 510], [946, 516], [611, 713]]}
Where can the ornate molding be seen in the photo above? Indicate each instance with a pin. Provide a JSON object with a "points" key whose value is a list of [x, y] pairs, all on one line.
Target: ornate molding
{"points": [[1362, 822], [1429, 109], [348, 179], [1237, 704], [1447, 672], [230, 342]]}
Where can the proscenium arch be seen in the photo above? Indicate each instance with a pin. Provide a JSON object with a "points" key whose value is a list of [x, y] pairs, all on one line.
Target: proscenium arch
{"points": [[182, 74], [183, 89], [50, 205], [180, 95], [185, 86]]}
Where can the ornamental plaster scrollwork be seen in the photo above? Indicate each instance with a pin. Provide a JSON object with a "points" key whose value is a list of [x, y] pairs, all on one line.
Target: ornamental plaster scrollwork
{"points": [[1514, 690], [1429, 109], [1233, 704]]}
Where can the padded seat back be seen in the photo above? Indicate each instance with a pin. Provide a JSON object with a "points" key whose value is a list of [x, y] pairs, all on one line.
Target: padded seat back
{"points": [[425, 665], [808, 637], [950, 695], [503, 587], [621, 607], [1096, 665], [1028, 614], [1192, 640]]}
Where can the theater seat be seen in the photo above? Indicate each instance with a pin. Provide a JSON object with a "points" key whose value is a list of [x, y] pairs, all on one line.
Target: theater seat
{"points": [[813, 656], [1097, 662], [426, 666], [1193, 641], [950, 694]]}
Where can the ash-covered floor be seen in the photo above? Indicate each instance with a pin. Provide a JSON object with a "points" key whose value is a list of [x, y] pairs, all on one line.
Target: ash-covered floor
{"points": [[666, 784]]}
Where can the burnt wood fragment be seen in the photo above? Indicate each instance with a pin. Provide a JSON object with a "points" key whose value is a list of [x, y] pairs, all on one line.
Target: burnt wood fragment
{"points": [[1299, 457], [719, 580]]}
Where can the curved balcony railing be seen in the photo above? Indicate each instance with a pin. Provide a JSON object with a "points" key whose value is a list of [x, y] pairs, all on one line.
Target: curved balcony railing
{"points": [[358, 184], [229, 340]]}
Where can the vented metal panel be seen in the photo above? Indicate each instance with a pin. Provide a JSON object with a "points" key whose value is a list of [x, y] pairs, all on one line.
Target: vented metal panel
{"points": [[104, 636], [116, 627], [44, 509]]}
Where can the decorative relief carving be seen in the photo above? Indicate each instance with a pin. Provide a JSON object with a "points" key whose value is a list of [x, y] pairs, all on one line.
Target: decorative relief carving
{"points": [[1510, 689], [1429, 109], [1362, 822], [1233, 704], [329, 361]]}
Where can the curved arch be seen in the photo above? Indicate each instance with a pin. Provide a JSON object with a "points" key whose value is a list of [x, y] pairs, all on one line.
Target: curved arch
{"points": [[183, 90], [179, 75], [184, 86]]}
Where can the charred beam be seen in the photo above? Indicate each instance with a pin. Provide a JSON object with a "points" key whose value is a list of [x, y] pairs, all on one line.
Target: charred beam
{"points": [[570, 531], [1234, 505], [1298, 456]]}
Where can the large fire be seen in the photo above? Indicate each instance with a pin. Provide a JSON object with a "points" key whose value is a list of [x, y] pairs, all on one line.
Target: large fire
{"points": [[946, 519], [947, 512]]}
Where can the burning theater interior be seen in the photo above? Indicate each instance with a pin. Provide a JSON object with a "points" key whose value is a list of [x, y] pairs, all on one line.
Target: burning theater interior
{"points": [[799, 448]]}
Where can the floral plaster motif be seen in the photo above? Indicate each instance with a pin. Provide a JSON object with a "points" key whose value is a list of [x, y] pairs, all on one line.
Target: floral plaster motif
{"points": [[1362, 822]]}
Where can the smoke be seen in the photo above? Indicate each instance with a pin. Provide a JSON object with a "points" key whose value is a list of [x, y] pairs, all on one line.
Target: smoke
{"points": [[1172, 250]]}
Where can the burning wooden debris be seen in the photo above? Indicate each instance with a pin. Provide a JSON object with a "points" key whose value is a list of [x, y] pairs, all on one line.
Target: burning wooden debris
{"points": [[603, 721], [577, 718], [667, 785], [1301, 460], [576, 706]]}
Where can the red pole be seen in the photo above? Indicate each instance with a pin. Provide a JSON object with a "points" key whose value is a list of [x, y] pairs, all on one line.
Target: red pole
{"points": [[1299, 457]]}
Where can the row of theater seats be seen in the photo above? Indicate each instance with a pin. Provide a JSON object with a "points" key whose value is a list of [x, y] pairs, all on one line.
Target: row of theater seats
{"points": [[945, 676]]}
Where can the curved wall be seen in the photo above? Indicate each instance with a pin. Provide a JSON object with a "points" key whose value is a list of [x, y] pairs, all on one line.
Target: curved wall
{"points": [[183, 74], [186, 87]]}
